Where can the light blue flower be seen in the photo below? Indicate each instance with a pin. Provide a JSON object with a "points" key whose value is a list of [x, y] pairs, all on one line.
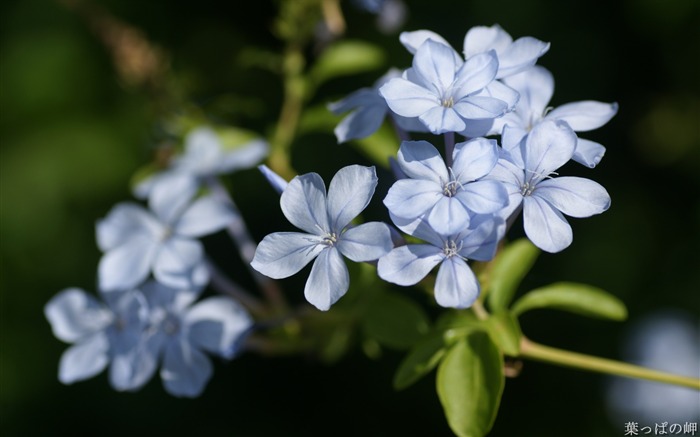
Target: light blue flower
{"points": [[102, 335], [325, 220], [456, 285], [448, 197], [445, 92], [526, 173], [536, 86], [137, 241], [180, 333]]}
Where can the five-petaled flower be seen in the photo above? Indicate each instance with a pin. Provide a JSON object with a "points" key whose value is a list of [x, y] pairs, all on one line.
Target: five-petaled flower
{"points": [[326, 219]]}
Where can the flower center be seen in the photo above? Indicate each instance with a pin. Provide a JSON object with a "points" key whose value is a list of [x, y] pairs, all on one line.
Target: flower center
{"points": [[451, 249], [527, 188], [171, 324], [330, 239], [447, 102]]}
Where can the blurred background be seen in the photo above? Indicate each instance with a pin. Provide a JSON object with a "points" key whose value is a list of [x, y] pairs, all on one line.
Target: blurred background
{"points": [[78, 117]]}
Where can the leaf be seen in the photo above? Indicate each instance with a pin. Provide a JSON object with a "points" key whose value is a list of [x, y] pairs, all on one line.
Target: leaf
{"points": [[470, 382], [395, 321], [346, 58], [509, 269], [576, 298], [379, 146], [423, 358], [505, 332]]}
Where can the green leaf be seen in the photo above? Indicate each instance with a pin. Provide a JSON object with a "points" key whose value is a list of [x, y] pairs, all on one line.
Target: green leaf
{"points": [[470, 382], [509, 269], [379, 146], [423, 358], [395, 321], [346, 58], [576, 298], [505, 331]]}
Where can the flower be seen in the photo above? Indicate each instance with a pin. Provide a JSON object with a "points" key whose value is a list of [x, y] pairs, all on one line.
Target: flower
{"points": [[102, 335], [525, 172], [443, 91], [180, 332], [136, 241], [536, 86], [455, 285], [448, 197], [325, 218]]}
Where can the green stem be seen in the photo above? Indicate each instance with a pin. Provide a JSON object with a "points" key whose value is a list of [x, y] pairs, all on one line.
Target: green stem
{"points": [[539, 352]]}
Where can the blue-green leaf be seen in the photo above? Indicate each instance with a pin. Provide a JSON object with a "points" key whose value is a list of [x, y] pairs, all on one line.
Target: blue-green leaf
{"points": [[470, 382], [576, 298], [346, 58], [395, 321], [505, 332], [509, 268], [423, 358]]}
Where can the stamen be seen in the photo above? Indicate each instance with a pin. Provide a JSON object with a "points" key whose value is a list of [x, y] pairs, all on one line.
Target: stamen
{"points": [[448, 102], [330, 239]]}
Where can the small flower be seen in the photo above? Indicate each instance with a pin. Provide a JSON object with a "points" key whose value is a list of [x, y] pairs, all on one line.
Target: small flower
{"points": [[455, 285], [448, 197], [136, 241], [102, 335], [180, 332], [443, 91], [325, 220], [536, 86], [526, 173]]}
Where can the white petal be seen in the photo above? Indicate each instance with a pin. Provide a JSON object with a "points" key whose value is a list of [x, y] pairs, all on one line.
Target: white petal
{"points": [[204, 216], [360, 98], [480, 39], [520, 55], [74, 314], [480, 107], [217, 325], [548, 146], [478, 72], [278, 182], [407, 265], [304, 203], [439, 120], [474, 159], [480, 242], [85, 359], [408, 99], [421, 160], [127, 265], [448, 216], [186, 370], [124, 221], [574, 196], [585, 115], [365, 242], [483, 197], [500, 91], [588, 153], [329, 280], [172, 195], [178, 263], [511, 142], [413, 40], [536, 87], [244, 156], [283, 254], [436, 63], [361, 123], [160, 296], [131, 371], [418, 228], [202, 152], [349, 194], [455, 285], [411, 198], [545, 226]]}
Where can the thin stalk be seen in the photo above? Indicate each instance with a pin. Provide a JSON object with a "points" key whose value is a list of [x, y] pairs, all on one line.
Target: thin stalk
{"points": [[547, 354], [225, 285]]}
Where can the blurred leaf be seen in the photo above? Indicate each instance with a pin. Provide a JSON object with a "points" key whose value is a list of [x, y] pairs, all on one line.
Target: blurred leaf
{"points": [[346, 58], [317, 119], [509, 269], [470, 382], [576, 298], [379, 146], [505, 331], [338, 343], [395, 321], [422, 358]]}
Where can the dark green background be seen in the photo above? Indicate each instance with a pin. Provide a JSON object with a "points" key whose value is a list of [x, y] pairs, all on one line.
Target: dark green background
{"points": [[73, 134]]}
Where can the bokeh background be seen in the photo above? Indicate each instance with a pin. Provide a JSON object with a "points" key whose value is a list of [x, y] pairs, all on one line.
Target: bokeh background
{"points": [[74, 130]]}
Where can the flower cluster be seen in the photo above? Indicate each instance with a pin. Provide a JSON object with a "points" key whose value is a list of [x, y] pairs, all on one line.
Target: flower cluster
{"points": [[151, 273]]}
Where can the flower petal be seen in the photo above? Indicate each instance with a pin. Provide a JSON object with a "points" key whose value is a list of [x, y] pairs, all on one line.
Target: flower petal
{"points": [[435, 64], [448, 216], [361, 123], [574, 196], [244, 156], [478, 72], [365, 242], [498, 90], [480, 241], [407, 265], [283, 254], [588, 153], [483, 197], [204, 216], [474, 159], [85, 359], [411, 198], [520, 55], [179, 263], [217, 325], [480, 39], [172, 194], [349, 194], [132, 370], [421, 160], [440, 119], [360, 98], [455, 285], [545, 226], [536, 87], [74, 314], [278, 182], [329, 280], [584, 116], [408, 99], [186, 370], [304, 203], [480, 107], [549, 145], [413, 40], [127, 265], [123, 221], [418, 228]]}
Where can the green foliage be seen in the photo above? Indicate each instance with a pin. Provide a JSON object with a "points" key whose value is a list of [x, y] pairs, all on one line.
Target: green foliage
{"points": [[345, 58], [505, 332], [395, 321], [470, 382], [576, 298], [509, 268], [422, 358]]}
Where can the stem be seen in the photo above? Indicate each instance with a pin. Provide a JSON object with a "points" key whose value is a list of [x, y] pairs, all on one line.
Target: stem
{"points": [[449, 147], [226, 286], [535, 351]]}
